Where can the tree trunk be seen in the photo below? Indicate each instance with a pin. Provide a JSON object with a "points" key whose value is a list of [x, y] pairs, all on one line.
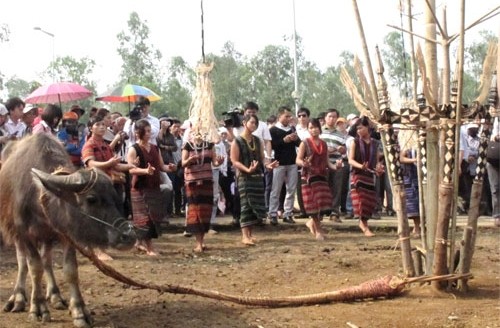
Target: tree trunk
{"points": [[399, 200]]}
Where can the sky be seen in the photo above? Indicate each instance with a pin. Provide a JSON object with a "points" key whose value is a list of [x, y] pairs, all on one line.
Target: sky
{"points": [[89, 29]]}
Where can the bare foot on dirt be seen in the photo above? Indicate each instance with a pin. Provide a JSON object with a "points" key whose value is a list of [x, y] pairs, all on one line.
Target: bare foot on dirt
{"points": [[309, 224], [320, 236], [152, 253], [247, 242], [198, 249], [366, 230]]}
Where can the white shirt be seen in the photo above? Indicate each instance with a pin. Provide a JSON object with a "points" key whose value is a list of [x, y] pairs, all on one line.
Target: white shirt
{"points": [[16, 129], [129, 128]]}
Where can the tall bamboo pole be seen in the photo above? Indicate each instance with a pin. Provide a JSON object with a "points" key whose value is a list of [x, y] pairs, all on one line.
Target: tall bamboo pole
{"points": [[432, 151], [369, 68]]}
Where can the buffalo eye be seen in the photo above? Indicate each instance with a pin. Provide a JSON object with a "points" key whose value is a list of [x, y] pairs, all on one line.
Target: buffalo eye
{"points": [[91, 199]]}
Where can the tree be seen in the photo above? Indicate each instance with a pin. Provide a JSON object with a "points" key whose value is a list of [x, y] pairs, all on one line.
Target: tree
{"points": [[271, 79], [4, 37], [397, 62], [140, 59], [20, 88], [177, 94]]}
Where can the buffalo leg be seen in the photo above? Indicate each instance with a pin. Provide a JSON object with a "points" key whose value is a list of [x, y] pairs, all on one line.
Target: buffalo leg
{"points": [[17, 301], [38, 307], [80, 314], [53, 294]]}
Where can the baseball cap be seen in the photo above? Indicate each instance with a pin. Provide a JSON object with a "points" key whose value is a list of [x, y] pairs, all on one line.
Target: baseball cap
{"points": [[28, 108], [341, 120], [70, 116], [351, 116], [185, 125], [3, 110]]}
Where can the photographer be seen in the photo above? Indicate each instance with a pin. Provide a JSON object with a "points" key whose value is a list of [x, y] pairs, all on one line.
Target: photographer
{"points": [[141, 110]]}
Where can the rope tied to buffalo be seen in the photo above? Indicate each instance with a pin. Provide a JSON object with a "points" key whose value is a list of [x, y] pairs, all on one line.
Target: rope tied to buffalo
{"points": [[383, 287]]}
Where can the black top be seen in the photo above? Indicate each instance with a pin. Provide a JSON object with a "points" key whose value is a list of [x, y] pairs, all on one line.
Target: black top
{"points": [[284, 152]]}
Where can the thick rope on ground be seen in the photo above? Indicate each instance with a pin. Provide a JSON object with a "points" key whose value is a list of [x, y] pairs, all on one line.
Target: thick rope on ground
{"points": [[384, 287]]}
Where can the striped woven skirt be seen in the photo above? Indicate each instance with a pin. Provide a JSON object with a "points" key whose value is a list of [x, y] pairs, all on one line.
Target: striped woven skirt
{"points": [[148, 209], [200, 199], [316, 195], [412, 200], [363, 195], [252, 201]]}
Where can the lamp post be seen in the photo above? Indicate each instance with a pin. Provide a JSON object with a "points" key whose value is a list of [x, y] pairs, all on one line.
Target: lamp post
{"points": [[295, 93], [53, 49]]}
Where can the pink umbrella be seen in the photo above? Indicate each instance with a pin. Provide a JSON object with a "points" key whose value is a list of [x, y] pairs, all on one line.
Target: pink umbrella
{"points": [[58, 93]]}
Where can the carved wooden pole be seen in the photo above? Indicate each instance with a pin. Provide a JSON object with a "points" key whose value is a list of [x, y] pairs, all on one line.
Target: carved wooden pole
{"points": [[393, 168], [469, 238]]}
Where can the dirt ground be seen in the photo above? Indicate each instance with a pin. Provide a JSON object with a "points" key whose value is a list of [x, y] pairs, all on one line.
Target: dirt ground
{"points": [[287, 261]]}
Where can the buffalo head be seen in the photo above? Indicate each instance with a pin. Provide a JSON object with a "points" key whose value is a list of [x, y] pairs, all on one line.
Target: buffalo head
{"points": [[85, 205]]}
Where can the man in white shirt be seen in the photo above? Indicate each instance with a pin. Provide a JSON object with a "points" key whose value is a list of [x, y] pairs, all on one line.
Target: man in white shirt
{"points": [[14, 125], [142, 105]]}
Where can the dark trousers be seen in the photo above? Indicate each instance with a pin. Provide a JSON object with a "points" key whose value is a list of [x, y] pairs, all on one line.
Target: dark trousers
{"points": [[338, 182], [175, 205], [225, 186]]}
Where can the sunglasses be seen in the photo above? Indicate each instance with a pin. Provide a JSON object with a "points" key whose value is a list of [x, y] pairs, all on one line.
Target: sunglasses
{"points": [[302, 115]]}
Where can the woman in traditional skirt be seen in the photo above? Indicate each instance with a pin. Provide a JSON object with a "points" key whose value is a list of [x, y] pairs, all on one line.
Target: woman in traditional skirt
{"points": [[247, 156], [148, 202], [197, 159], [408, 159], [363, 158], [316, 194]]}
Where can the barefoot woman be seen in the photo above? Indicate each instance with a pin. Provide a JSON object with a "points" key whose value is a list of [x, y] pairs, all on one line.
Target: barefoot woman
{"points": [[247, 156], [316, 194], [363, 158]]}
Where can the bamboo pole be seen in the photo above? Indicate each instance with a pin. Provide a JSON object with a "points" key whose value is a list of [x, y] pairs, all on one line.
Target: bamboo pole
{"points": [[414, 74], [432, 151], [373, 88]]}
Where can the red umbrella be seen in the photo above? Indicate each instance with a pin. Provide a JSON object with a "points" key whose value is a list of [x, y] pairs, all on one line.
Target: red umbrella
{"points": [[58, 92]]}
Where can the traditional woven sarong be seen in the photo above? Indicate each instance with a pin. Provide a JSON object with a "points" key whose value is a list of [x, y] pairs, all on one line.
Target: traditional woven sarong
{"points": [[148, 208], [250, 186], [410, 179], [316, 193], [200, 202], [363, 194], [252, 202], [364, 197]]}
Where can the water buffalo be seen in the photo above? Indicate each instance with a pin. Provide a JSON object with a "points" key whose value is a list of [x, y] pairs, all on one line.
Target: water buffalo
{"points": [[43, 199]]}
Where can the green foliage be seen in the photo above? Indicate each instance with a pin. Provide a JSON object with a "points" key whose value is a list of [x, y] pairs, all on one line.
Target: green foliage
{"points": [[398, 63]]}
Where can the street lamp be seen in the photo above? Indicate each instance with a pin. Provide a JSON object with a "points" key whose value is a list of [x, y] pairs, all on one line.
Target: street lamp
{"points": [[36, 28]]}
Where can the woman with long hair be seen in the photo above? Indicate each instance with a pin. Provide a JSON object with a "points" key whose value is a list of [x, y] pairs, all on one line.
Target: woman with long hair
{"points": [[316, 195], [363, 158], [247, 157], [148, 202]]}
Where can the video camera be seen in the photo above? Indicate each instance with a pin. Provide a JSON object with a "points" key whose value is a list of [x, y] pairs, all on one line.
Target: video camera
{"points": [[233, 118], [136, 113]]}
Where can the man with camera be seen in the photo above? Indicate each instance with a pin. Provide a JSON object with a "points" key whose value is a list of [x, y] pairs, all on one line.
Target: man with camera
{"points": [[141, 110]]}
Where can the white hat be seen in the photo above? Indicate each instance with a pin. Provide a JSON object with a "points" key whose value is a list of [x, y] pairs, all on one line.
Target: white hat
{"points": [[185, 125], [222, 130], [3, 110], [472, 125], [351, 116], [28, 108]]}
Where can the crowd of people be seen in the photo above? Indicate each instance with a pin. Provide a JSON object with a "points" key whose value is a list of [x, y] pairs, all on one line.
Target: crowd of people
{"points": [[260, 172]]}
